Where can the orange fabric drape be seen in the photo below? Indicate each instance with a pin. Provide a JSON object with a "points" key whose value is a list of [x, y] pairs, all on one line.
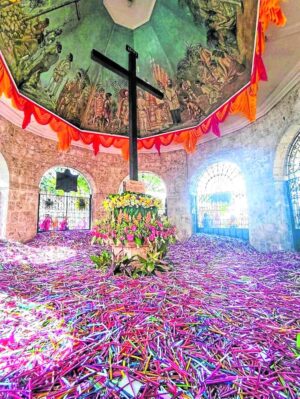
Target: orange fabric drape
{"points": [[244, 103]]}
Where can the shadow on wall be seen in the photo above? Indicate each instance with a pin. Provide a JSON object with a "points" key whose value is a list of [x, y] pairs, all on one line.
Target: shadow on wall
{"points": [[4, 191]]}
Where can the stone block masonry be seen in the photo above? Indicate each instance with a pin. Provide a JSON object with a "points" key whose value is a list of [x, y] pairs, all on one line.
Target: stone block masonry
{"points": [[260, 150], [29, 156]]}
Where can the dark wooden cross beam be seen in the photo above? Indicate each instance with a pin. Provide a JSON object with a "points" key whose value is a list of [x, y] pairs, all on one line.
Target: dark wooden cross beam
{"points": [[133, 82]]}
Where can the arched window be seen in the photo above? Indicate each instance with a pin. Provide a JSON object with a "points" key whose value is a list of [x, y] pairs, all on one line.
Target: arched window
{"points": [[4, 188], [154, 185], [222, 202], [293, 173], [64, 200]]}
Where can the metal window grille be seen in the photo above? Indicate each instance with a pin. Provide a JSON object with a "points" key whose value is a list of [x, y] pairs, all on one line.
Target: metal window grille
{"points": [[70, 211], [76, 210], [222, 202], [293, 172]]}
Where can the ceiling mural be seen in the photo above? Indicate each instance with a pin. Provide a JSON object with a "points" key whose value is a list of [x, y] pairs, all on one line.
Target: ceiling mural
{"points": [[197, 52]]}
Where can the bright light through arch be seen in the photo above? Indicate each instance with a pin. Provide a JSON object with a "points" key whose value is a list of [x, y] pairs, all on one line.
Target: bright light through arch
{"points": [[221, 197]]}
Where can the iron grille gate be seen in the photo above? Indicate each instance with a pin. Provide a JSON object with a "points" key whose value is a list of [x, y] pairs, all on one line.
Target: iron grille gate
{"points": [[293, 186], [241, 232], [76, 209]]}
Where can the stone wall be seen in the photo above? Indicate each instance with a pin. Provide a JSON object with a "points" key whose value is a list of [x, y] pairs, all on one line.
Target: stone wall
{"points": [[29, 156], [4, 191], [260, 150]]}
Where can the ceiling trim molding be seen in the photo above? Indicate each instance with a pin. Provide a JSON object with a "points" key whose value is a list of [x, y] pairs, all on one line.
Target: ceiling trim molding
{"points": [[283, 32], [285, 86]]}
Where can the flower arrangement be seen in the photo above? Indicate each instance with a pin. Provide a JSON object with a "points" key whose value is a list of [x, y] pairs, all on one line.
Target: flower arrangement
{"points": [[134, 229], [132, 203], [134, 266], [133, 220]]}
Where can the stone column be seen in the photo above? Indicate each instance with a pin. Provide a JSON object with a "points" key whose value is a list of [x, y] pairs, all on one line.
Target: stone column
{"points": [[22, 212]]}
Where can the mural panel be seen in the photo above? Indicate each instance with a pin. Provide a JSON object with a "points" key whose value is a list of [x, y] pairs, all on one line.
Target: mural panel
{"points": [[198, 52]]}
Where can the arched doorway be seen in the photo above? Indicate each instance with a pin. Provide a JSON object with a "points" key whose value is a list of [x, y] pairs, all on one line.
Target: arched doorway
{"points": [[293, 173], [154, 185], [221, 203], [4, 190], [64, 200]]}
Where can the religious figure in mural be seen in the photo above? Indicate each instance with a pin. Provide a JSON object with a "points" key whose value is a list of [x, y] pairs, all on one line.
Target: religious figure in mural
{"points": [[107, 115], [163, 112], [33, 36], [143, 117], [228, 68], [98, 107], [99, 113], [152, 105], [73, 97], [32, 71], [220, 17], [60, 72], [123, 109], [190, 100], [173, 102], [196, 78]]}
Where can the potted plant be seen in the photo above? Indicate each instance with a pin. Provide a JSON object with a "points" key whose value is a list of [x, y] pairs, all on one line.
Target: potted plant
{"points": [[48, 203], [81, 203]]}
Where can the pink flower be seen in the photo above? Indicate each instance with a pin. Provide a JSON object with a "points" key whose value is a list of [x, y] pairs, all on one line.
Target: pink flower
{"points": [[133, 228], [130, 237], [152, 237]]}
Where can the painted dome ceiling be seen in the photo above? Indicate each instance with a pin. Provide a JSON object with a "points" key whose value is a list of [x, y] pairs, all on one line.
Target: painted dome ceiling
{"points": [[199, 53]]}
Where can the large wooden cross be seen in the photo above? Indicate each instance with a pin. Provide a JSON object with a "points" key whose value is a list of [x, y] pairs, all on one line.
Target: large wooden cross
{"points": [[133, 82]]}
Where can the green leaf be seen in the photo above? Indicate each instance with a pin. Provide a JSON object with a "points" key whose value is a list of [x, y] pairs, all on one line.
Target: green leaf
{"points": [[150, 268], [138, 241]]}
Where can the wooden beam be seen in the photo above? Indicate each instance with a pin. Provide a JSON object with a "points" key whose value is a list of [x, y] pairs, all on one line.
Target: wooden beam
{"points": [[123, 72], [132, 91]]}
